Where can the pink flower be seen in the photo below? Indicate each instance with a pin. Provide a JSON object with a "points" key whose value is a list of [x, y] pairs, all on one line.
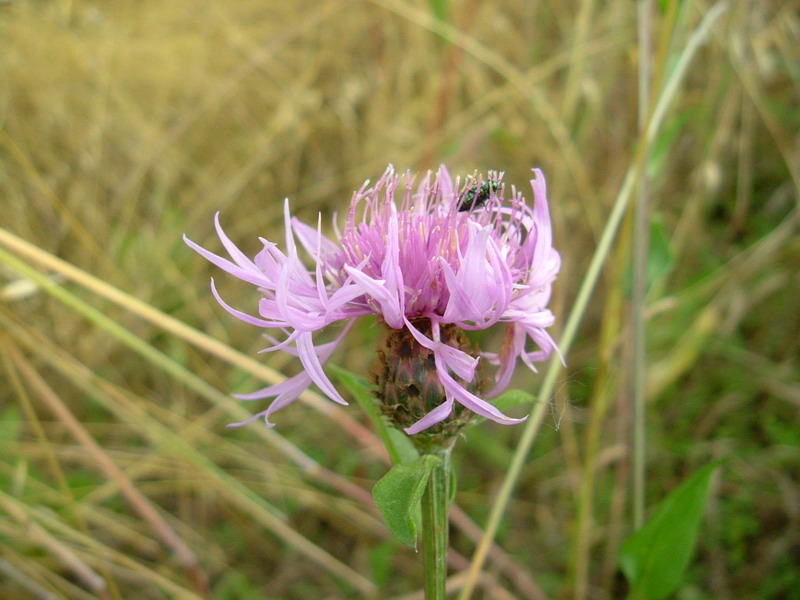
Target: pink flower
{"points": [[409, 255]]}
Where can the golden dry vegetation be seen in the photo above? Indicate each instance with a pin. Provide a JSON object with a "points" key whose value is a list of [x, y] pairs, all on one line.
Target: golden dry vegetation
{"points": [[124, 125]]}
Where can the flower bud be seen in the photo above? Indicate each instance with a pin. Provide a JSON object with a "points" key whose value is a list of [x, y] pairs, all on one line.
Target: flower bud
{"points": [[409, 386]]}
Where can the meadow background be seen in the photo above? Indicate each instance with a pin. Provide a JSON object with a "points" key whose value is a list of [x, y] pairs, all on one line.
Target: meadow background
{"points": [[124, 125]]}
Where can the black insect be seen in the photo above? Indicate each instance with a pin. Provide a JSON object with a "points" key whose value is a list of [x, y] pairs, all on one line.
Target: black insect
{"points": [[476, 196]]}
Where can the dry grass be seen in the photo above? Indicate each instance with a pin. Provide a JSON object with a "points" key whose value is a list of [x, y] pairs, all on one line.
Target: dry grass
{"points": [[124, 125]]}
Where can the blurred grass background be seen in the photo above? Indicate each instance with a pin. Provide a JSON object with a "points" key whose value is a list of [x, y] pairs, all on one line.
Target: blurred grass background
{"points": [[124, 125]]}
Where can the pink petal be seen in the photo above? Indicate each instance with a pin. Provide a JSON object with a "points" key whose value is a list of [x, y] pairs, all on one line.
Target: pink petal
{"points": [[462, 363], [470, 400], [244, 316], [438, 414], [228, 266], [310, 360], [376, 288]]}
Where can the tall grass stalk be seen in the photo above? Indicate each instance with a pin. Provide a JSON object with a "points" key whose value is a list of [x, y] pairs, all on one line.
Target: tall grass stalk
{"points": [[584, 295], [641, 231], [249, 501]]}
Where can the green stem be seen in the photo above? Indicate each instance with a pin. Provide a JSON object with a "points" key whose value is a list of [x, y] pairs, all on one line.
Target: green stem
{"points": [[435, 526]]}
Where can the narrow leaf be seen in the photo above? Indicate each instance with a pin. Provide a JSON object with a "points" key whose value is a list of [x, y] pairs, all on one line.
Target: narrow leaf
{"points": [[654, 558], [363, 393], [398, 494], [660, 259]]}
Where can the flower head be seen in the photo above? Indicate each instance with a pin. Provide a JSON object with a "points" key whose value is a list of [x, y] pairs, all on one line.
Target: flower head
{"points": [[430, 260]]}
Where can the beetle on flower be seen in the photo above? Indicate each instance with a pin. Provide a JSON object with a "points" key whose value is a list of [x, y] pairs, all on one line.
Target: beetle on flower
{"points": [[429, 271]]}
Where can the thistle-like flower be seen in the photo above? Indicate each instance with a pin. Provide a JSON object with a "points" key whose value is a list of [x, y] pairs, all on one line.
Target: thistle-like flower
{"points": [[431, 261]]}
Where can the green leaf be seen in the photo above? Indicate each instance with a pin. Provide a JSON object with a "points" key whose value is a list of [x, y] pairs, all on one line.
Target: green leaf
{"points": [[398, 494], [654, 558], [512, 398], [360, 388], [664, 145], [405, 448], [660, 258], [10, 425], [363, 393]]}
